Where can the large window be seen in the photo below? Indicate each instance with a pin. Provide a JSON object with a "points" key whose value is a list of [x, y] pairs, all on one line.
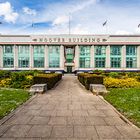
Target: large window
{"points": [[84, 59], [8, 56], [115, 50], [131, 62], [23, 56], [100, 56], [100, 50], [131, 50], [69, 53], [115, 55], [100, 62], [54, 56], [38, 56], [131, 56], [115, 62]]}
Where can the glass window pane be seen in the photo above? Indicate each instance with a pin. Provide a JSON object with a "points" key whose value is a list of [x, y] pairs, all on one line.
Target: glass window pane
{"points": [[84, 58], [23, 56], [54, 56], [8, 56], [39, 53]]}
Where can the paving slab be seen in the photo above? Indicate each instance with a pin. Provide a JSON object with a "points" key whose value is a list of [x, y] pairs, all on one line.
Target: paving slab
{"points": [[17, 131], [67, 112], [62, 132], [40, 131]]}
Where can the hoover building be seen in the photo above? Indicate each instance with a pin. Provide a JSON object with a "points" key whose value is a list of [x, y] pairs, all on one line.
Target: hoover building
{"points": [[70, 53]]}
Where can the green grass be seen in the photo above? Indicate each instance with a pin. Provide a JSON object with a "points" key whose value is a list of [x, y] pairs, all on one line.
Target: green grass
{"points": [[127, 101], [10, 99]]}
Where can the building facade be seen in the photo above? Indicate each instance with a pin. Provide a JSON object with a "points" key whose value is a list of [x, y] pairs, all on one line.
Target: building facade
{"points": [[70, 53]]}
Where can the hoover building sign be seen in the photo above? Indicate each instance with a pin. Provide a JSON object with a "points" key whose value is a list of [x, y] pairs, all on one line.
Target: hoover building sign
{"points": [[65, 39]]}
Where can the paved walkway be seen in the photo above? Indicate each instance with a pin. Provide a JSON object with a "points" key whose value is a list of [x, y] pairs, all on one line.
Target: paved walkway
{"points": [[68, 112]]}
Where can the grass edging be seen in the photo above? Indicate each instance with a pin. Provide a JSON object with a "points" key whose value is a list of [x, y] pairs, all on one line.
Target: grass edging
{"points": [[120, 115], [19, 108]]}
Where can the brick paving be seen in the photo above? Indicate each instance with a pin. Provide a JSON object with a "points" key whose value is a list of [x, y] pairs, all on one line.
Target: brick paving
{"points": [[67, 112]]}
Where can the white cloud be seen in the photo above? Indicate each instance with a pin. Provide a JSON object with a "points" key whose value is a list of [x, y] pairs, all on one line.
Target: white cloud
{"points": [[6, 10], [29, 11], [122, 32], [79, 29], [87, 17], [61, 20], [83, 5]]}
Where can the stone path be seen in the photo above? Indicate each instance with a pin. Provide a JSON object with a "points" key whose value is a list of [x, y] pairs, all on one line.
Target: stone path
{"points": [[68, 112]]}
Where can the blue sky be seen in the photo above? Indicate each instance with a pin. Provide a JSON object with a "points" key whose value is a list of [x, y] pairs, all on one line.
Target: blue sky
{"points": [[86, 16]]}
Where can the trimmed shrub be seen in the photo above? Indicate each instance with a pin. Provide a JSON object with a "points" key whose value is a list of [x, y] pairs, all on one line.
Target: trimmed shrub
{"points": [[87, 79], [49, 79], [121, 83], [4, 74]]}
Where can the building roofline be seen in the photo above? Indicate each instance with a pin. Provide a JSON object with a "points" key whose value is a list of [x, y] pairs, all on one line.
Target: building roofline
{"points": [[29, 35]]}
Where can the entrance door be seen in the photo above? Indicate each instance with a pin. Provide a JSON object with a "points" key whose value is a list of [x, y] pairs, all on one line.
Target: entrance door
{"points": [[69, 69]]}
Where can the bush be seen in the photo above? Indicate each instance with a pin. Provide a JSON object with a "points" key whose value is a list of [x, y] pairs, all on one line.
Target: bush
{"points": [[50, 79], [5, 82], [121, 83], [87, 79], [4, 74], [114, 74]]}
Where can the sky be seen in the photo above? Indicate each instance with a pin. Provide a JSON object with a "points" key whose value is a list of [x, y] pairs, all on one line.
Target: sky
{"points": [[82, 16]]}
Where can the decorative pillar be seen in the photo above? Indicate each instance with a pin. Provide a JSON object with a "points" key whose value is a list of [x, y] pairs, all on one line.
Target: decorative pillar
{"points": [[1, 57], [76, 59], [123, 57], [138, 57], [108, 57], [15, 57], [31, 57], [62, 59], [46, 57], [92, 65]]}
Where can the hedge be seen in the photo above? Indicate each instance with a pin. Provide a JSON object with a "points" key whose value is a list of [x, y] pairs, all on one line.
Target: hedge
{"points": [[110, 82], [50, 79], [86, 79]]}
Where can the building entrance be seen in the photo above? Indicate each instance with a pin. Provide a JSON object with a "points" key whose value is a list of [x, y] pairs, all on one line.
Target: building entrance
{"points": [[69, 69]]}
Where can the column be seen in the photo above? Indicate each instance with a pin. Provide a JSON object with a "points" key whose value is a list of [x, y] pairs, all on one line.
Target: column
{"points": [[62, 59], [76, 59], [108, 57], [31, 57], [1, 57], [138, 57], [46, 57], [15, 57], [92, 57], [123, 57]]}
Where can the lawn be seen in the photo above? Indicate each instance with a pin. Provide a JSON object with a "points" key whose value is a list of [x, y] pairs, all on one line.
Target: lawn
{"points": [[127, 101], [11, 99]]}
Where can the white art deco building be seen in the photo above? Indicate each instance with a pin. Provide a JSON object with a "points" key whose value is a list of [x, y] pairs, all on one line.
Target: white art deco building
{"points": [[70, 53]]}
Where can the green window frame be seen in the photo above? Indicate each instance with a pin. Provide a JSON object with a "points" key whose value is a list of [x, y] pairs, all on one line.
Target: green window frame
{"points": [[54, 56], [115, 50], [131, 62], [115, 56], [131, 56], [84, 58], [69, 53], [100, 56], [100, 50], [100, 62], [39, 53], [131, 50], [115, 62], [8, 56], [23, 56]]}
